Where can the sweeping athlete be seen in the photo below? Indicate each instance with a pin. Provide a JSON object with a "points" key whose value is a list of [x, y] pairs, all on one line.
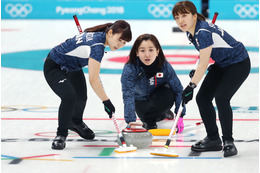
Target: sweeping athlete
{"points": [[225, 76], [150, 85], [64, 74]]}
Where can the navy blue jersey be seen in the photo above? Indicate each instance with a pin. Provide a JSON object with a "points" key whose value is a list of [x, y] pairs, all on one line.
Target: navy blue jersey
{"points": [[73, 54], [135, 86], [225, 49]]}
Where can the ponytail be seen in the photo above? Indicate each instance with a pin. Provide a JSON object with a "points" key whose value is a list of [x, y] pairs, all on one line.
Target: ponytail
{"points": [[99, 28], [201, 17], [120, 26]]}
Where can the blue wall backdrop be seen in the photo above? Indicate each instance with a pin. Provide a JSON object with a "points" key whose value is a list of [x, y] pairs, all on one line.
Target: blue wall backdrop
{"points": [[121, 9], [89, 9]]}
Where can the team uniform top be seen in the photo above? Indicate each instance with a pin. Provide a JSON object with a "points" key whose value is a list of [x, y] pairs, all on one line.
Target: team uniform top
{"points": [[225, 49], [136, 86], [73, 54]]}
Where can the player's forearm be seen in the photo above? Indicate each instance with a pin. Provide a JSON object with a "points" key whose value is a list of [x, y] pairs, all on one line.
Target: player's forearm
{"points": [[98, 89], [203, 65], [199, 73]]}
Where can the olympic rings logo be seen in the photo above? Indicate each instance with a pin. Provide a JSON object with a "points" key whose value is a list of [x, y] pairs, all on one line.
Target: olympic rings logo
{"points": [[18, 10], [247, 10], [160, 10], [29, 108]]}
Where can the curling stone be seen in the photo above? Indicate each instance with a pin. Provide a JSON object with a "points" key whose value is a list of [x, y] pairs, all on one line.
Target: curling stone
{"points": [[138, 137]]}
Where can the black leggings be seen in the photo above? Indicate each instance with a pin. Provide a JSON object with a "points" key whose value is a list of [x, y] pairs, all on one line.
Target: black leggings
{"points": [[71, 88], [221, 84], [155, 108]]}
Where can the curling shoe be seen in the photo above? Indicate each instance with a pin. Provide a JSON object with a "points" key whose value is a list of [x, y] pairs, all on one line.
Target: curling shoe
{"points": [[150, 125], [59, 143], [169, 115], [82, 130], [229, 148], [207, 145]]}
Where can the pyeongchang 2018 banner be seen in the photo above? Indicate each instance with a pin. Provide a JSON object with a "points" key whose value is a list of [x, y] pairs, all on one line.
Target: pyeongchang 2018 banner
{"points": [[89, 9]]}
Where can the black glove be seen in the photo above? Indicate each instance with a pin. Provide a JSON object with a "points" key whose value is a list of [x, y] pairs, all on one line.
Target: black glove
{"points": [[191, 74], [109, 107], [187, 93]]}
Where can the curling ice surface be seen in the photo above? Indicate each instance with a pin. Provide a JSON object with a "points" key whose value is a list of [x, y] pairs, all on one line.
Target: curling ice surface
{"points": [[29, 104]]}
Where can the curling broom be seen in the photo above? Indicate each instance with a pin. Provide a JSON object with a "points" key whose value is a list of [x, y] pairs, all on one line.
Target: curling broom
{"points": [[124, 148], [165, 152]]}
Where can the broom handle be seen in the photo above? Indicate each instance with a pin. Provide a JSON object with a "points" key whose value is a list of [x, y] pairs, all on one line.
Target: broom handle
{"points": [[214, 17], [174, 129], [118, 131], [77, 23]]}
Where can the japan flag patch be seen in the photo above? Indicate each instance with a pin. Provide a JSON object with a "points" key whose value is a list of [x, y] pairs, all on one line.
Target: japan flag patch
{"points": [[159, 75]]}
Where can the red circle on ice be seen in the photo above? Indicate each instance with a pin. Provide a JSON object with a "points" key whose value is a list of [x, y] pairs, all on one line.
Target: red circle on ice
{"points": [[53, 134], [172, 59]]}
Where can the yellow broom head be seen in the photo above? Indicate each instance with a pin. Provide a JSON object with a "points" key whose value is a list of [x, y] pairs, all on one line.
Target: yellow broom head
{"points": [[160, 132], [165, 153]]}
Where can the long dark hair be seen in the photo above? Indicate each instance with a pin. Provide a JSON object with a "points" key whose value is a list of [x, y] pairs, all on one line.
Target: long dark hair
{"points": [[183, 7], [133, 57], [120, 26]]}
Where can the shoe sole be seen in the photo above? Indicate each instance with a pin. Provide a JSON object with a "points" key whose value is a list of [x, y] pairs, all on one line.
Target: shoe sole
{"points": [[75, 130], [58, 148], [207, 149], [228, 154]]}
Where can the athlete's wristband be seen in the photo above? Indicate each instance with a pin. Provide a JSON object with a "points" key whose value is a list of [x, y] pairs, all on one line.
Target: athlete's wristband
{"points": [[192, 85]]}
